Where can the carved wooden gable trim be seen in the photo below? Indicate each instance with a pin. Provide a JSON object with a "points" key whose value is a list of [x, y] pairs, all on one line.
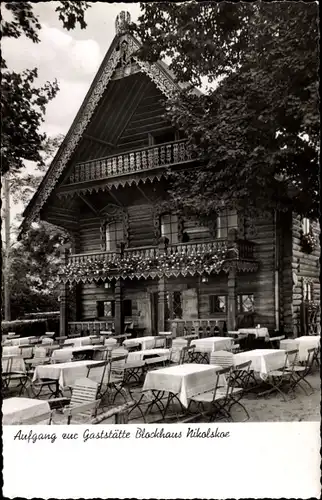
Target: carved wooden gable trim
{"points": [[123, 51]]}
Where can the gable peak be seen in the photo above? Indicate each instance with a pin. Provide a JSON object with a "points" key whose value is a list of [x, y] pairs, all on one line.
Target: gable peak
{"points": [[122, 21]]}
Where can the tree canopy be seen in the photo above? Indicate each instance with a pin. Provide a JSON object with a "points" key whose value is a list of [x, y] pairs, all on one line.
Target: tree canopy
{"points": [[23, 104], [34, 263], [255, 130]]}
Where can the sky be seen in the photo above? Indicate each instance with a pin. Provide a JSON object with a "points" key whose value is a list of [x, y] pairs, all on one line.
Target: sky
{"points": [[72, 57]]}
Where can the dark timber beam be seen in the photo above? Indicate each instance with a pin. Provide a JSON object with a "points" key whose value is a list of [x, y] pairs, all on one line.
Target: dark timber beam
{"points": [[88, 203], [99, 141]]}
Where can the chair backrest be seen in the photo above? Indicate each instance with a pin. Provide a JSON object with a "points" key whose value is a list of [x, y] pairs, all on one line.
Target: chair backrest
{"points": [[62, 355], [291, 357], [311, 353], [39, 352], [118, 359], [243, 366], [47, 340], [99, 372], [222, 358], [83, 391], [226, 372]]}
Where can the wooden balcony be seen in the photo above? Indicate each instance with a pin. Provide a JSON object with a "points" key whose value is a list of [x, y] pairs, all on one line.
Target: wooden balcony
{"points": [[164, 260], [141, 160]]}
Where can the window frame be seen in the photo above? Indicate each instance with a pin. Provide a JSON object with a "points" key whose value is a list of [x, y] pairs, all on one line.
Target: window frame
{"points": [[240, 303], [101, 303], [211, 303], [171, 234], [225, 228], [306, 225], [115, 232]]}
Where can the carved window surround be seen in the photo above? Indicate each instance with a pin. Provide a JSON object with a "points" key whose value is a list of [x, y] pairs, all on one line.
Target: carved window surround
{"points": [[113, 213]]}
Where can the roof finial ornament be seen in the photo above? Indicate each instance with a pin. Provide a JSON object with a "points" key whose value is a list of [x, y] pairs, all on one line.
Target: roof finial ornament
{"points": [[122, 21]]}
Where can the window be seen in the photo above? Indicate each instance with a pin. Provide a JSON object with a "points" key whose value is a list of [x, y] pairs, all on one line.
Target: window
{"points": [[307, 290], [173, 305], [169, 227], [106, 308], [305, 225], [193, 231], [162, 138], [113, 235], [225, 221], [245, 303], [217, 303], [127, 307]]}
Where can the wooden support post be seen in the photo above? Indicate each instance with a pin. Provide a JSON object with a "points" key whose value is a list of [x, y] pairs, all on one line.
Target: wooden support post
{"points": [[232, 298], [118, 321], [118, 296], [63, 330], [161, 305]]}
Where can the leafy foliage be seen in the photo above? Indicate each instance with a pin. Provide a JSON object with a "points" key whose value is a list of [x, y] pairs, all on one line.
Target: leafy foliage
{"points": [[33, 270], [23, 105], [257, 132]]}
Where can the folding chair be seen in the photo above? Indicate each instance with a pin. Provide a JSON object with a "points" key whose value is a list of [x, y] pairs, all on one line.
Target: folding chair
{"points": [[83, 402], [277, 378], [218, 399], [240, 376], [298, 372], [11, 374]]}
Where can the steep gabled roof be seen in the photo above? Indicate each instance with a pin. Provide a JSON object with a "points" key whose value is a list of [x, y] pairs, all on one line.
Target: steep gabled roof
{"points": [[159, 74]]}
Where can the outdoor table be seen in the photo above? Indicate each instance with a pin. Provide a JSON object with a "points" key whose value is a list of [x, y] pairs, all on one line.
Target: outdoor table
{"points": [[146, 342], [210, 344], [13, 350], [141, 355], [65, 373], [17, 365], [263, 360], [67, 352], [78, 341], [181, 382], [23, 340], [258, 332], [302, 344], [17, 410]]}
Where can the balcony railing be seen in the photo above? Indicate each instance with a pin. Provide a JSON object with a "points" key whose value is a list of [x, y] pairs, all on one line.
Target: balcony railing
{"points": [[152, 253], [163, 155]]}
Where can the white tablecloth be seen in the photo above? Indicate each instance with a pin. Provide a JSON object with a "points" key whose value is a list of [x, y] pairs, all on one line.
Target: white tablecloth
{"points": [[17, 410], [184, 380], [139, 355], [263, 360], [259, 332], [210, 344], [67, 352], [79, 341], [66, 373], [23, 340], [18, 364], [146, 342], [14, 350], [302, 344]]}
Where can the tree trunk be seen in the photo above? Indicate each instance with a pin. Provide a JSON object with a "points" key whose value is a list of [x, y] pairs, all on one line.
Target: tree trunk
{"points": [[6, 267]]}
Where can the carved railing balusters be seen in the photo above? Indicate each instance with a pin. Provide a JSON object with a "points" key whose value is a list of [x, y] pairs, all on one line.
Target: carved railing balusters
{"points": [[154, 156]]}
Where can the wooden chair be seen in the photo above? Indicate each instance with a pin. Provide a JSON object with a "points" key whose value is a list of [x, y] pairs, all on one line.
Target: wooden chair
{"points": [[298, 373], [240, 376], [277, 378], [100, 373], [83, 402], [219, 399], [10, 374]]}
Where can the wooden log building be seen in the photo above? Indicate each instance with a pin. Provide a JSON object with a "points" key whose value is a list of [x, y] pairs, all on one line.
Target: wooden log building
{"points": [[133, 261]]}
